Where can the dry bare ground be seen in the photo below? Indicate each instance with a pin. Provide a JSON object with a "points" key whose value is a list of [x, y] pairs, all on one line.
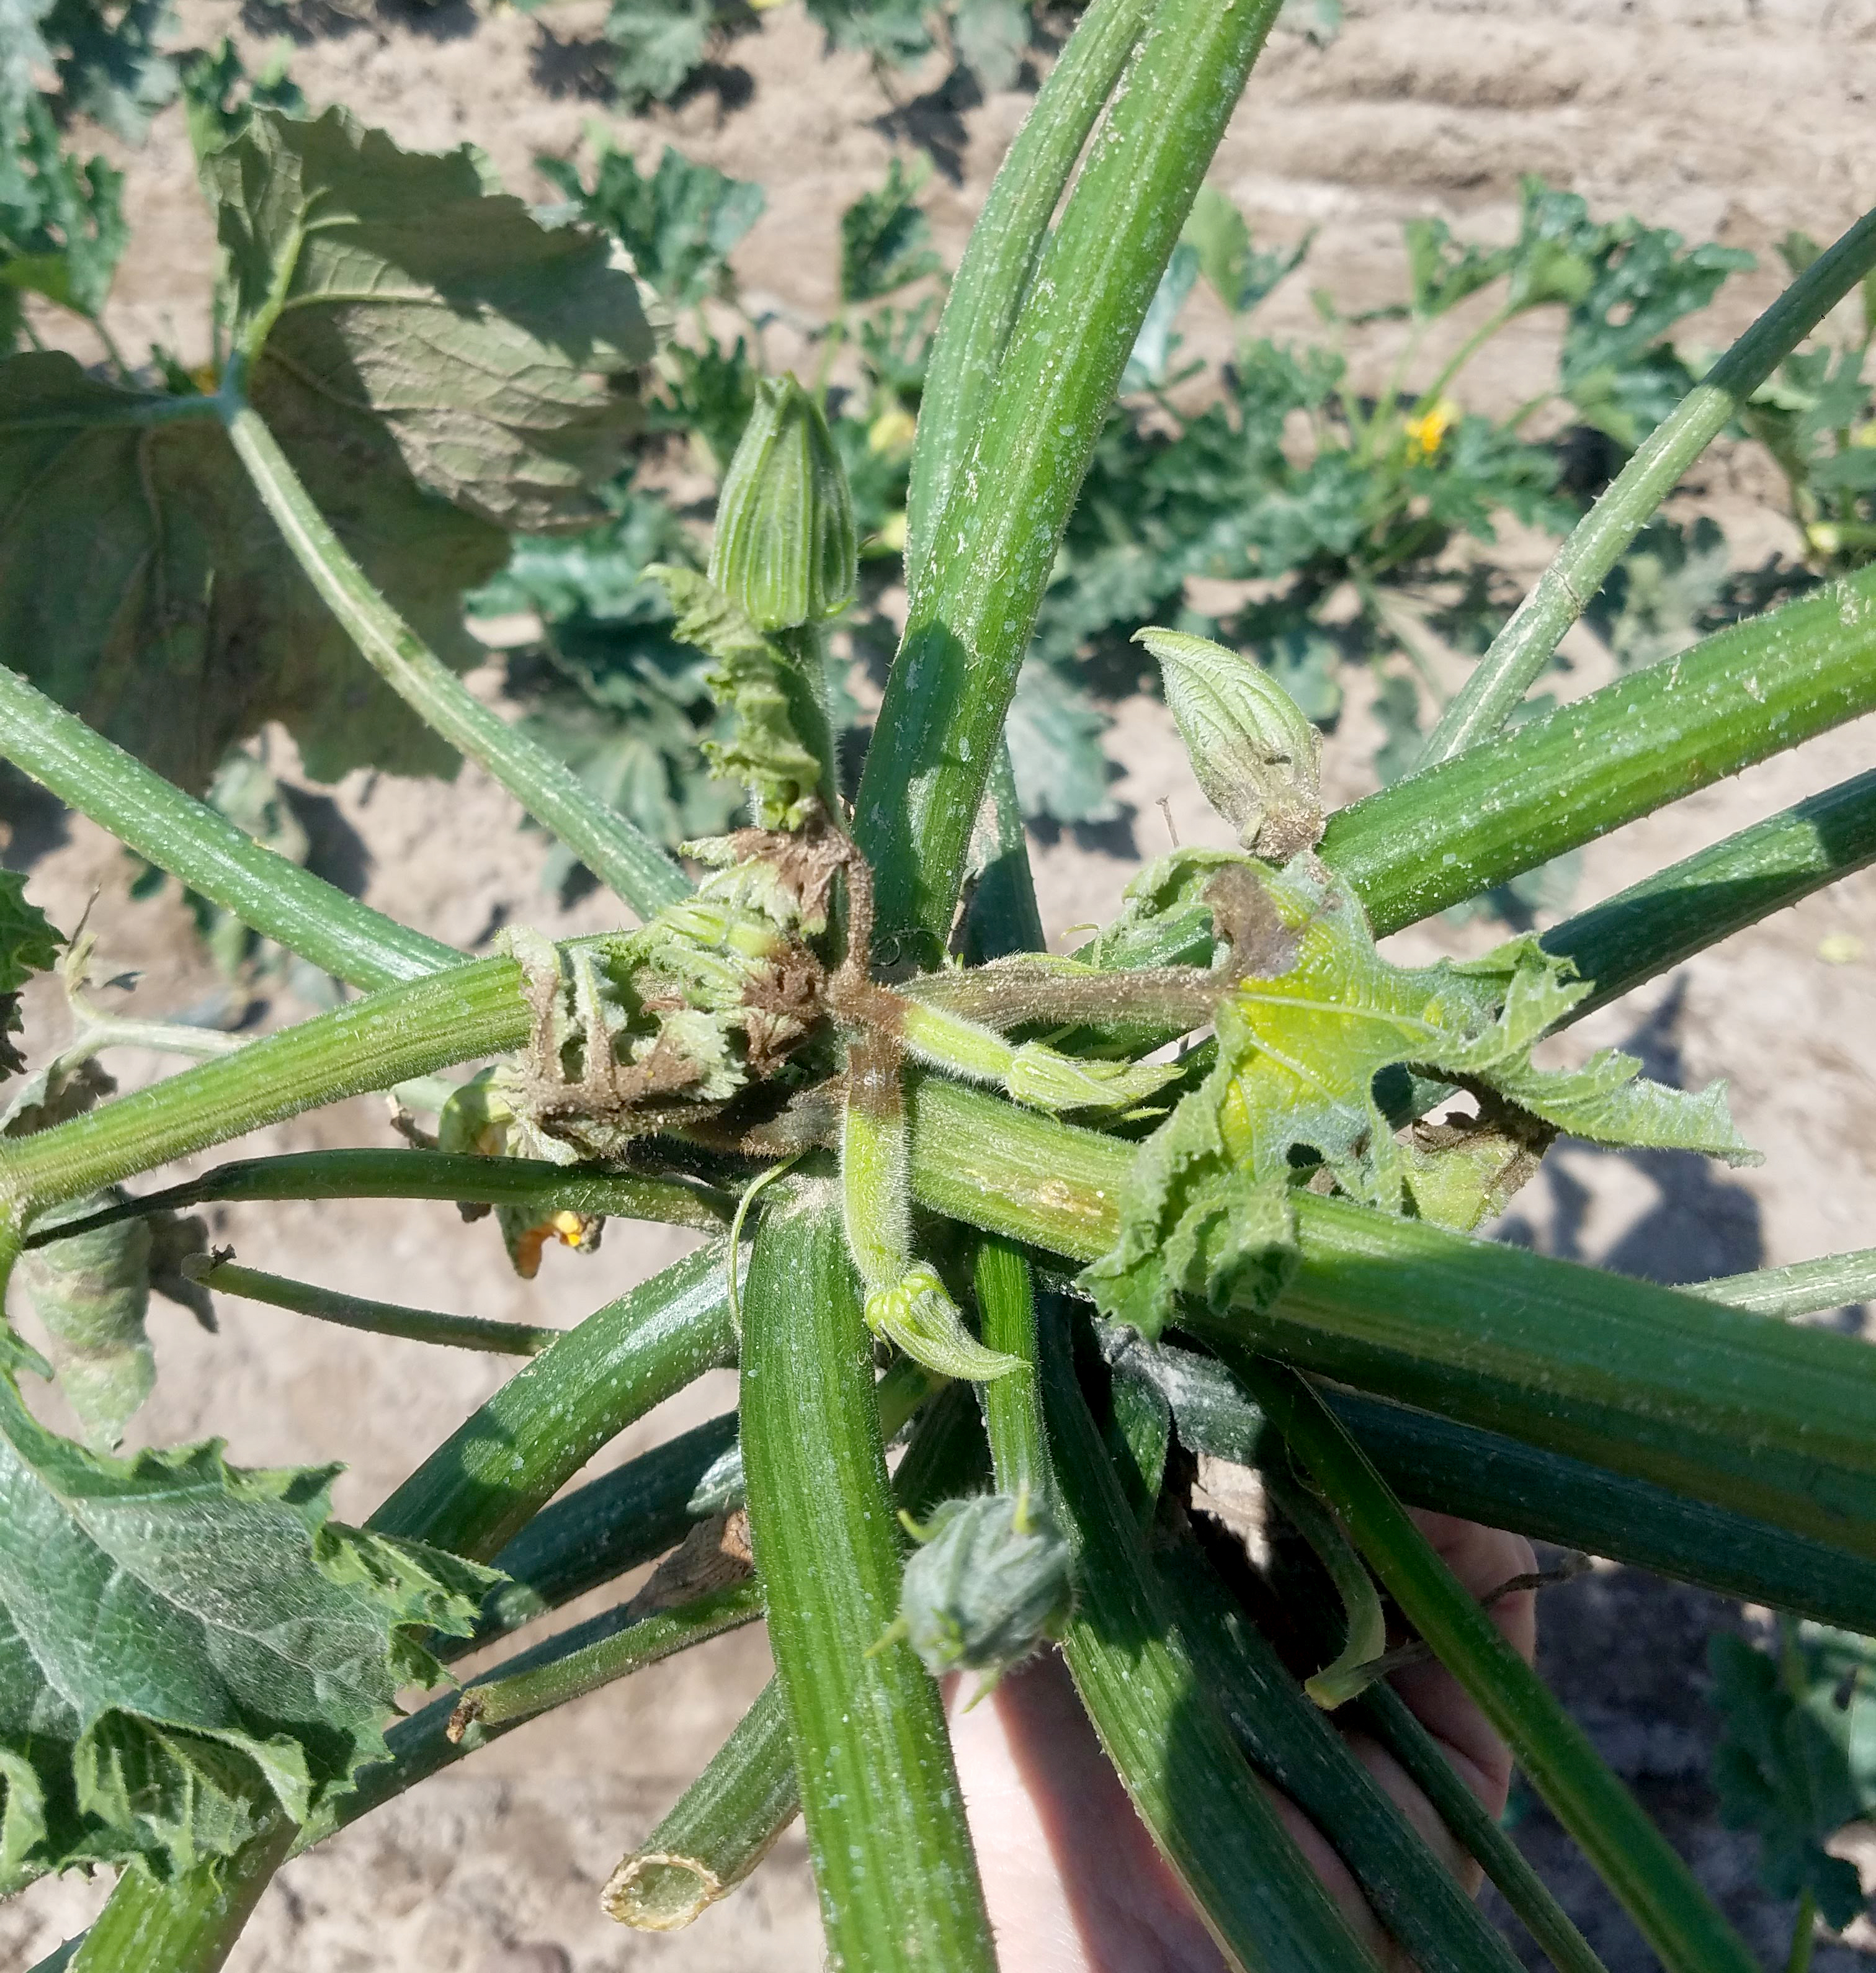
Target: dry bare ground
{"points": [[1729, 120]]}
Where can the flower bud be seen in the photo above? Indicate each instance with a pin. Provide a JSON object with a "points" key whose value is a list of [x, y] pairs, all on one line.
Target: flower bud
{"points": [[916, 1313], [1256, 756], [785, 551], [992, 1579]]}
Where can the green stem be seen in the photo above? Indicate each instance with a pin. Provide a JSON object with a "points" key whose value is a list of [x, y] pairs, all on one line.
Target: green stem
{"points": [[1630, 1854], [1004, 916], [376, 1318], [1382, 1711], [972, 610], [471, 1010], [626, 1518], [1803, 1934], [187, 1923], [420, 1745], [595, 1654], [1364, 1627], [625, 860], [1741, 695], [1805, 1287], [721, 1828], [1770, 1420], [635, 1513], [995, 275], [1521, 650], [206, 850], [1694, 903], [1289, 1741], [1483, 1476], [886, 1829], [509, 1458], [531, 1183], [1170, 1745]]}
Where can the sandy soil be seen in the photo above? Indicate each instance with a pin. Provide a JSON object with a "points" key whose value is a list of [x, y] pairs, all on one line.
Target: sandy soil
{"points": [[1729, 120]]}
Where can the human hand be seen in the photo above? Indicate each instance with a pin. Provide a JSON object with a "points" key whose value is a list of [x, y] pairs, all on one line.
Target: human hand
{"points": [[1073, 1881]]}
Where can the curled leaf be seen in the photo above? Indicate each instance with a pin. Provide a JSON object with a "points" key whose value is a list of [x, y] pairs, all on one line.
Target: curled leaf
{"points": [[152, 1710]]}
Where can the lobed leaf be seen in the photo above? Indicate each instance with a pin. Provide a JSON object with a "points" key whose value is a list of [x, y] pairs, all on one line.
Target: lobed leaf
{"points": [[185, 1645], [28, 944], [1314, 1016], [500, 354], [679, 223], [143, 586]]}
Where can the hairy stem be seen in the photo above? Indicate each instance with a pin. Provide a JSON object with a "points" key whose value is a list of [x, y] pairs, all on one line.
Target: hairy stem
{"points": [[993, 544], [529, 1182], [1741, 695], [625, 859], [206, 850], [375, 1318], [1633, 1859], [1692, 904], [886, 1831], [995, 275], [471, 1010]]}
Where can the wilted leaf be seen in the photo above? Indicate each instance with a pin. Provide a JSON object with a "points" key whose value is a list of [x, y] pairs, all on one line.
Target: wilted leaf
{"points": [[28, 944], [184, 1644], [502, 354], [680, 224], [1667, 591], [111, 67], [22, 49], [93, 1292], [659, 42], [62, 231], [892, 31], [884, 237], [220, 98], [1239, 274], [144, 588], [1154, 346]]}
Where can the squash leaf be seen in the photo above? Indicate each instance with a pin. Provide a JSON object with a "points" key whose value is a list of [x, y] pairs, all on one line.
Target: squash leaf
{"points": [[502, 355], [144, 587], [1301, 1040], [185, 1645]]}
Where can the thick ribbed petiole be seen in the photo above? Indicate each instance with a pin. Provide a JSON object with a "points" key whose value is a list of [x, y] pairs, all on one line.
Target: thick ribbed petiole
{"points": [[191, 841], [1633, 1859], [886, 1829]]}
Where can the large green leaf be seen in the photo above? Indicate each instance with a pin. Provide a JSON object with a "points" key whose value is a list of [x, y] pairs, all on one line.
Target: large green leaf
{"points": [[501, 354], [143, 586], [1315, 1016], [184, 1644]]}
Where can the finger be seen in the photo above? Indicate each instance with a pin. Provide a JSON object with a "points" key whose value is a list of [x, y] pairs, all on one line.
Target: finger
{"points": [[1481, 1558]]}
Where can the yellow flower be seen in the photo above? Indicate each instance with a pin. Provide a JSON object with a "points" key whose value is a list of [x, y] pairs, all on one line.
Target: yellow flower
{"points": [[1425, 435], [891, 432]]}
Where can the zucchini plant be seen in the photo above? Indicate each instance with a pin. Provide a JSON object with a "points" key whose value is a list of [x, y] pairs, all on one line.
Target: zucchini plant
{"points": [[959, 1163]]}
